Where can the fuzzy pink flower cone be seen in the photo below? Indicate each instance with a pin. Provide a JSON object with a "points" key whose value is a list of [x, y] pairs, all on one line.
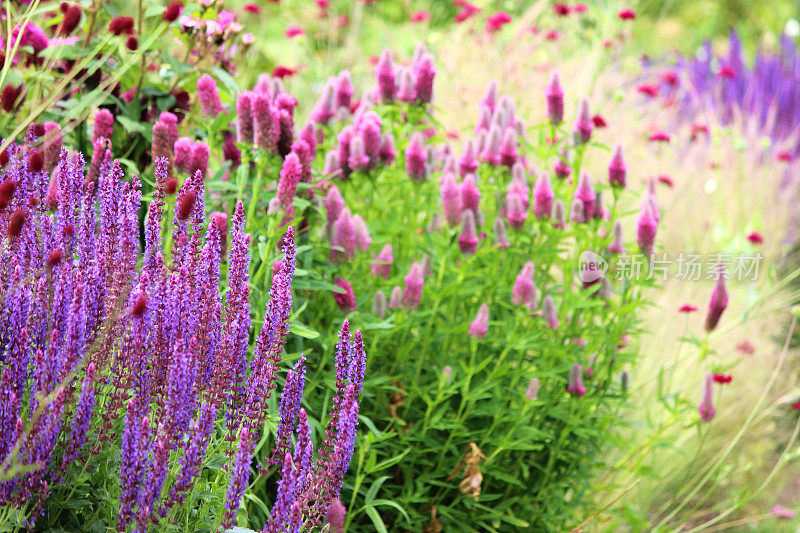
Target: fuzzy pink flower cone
{"points": [[532, 391], [395, 298], [451, 199], [554, 95], [412, 294], [385, 77], [334, 204], [617, 171], [516, 212], [718, 302], [543, 197], [468, 239], [586, 194], [500, 233], [470, 194], [480, 325], [524, 292], [346, 300], [646, 228], [559, 217], [616, 246], [549, 312], [706, 408], [576, 386], [386, 258], [583, 124], [416, 157]]}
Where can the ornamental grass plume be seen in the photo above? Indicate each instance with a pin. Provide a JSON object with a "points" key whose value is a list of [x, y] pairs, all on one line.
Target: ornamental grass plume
{"points": [[148, 335], [706, 407], [719, 300], [479, 326]]}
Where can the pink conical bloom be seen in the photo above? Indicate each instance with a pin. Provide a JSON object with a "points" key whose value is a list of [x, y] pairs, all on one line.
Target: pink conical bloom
{"points": [[291, 172], [385, 76], [470, 194], [706, 408], [331, 167], [575, 386], [344, 89], [490, 153], [559, 220], [599, 209], [244, 116], [489, 100], [616, 246], [719, 300], [484, 121], [617, 171], [524, 292], [479, 326], [334, 204], [554, 95], [370, 131], [200, 154], [406, 92], [412, 294], [183, 154], [532, 391], [386, 258], [325, 108], [586, 194], [576, 214], [336, 512], [416, 157], [343, 147], [449, 165], [344, 236], [396, 298], [508, 148], [309, 135], [424, 74], [516, 212], [379, 304], [451, 199], [103, 124], [468, 162], [646, 228], [345, 300], [266, 127], [468, 239], [363, 240], [500, 234], [357, 158], [561, 169], [549, 312], [163, 142], [583, 124], [208, 94], [387, 152], [543, 196], [589, 371]]}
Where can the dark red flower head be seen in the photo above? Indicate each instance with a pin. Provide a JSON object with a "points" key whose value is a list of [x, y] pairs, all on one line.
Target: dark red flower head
{"points": [[7, 190], [11, 97], [120, 25], [55, 257], [722, 379], [627, 14], [281, 72], [173, 11], [755, 237], [35, 161], [16, 223], [132, 43], [561, 9], [599, 121], [687, 308], [186, 205]]}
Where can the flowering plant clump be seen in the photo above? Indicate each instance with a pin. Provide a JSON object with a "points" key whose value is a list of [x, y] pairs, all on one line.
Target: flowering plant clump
{"points": [[127, 380]]}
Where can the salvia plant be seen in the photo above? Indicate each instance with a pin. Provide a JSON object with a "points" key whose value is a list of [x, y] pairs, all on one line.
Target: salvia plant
{"points": [[134, 392]]}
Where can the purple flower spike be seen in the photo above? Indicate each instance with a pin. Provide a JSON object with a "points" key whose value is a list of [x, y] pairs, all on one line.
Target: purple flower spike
{"points": [[240, 475]]}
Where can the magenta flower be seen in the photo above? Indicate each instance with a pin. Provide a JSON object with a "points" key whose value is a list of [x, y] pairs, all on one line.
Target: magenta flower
{"points": [[524, 292], [470, 194], [385, 76], [543, 196], [468, 162], [489, 100], [424, 74], [416, 157], [554, 95], [706, 407], [616, 246], [386, 150], [395, 298], [497, 21], [468, 239], [334, 204], [646, 227], [500, 233], [583, 124], [345, 300], [208, 94], [451, 199], [516, 212], [549, 312], [386, 258], [718, 302], [576, 386], [291, 171], [343, 89], [344, 236], [508, 152], [480, 325], [362, 238], [103, 124], [336, 513], [617, 171], [412, 294]]}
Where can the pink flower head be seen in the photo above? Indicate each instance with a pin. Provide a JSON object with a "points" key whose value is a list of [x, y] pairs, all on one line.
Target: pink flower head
{"points": [[666, 180], [386, 150], [424, 74], [416, 157], [412, 294], [719, 300], [325, 108], [344, 236], [784, 156], [470, 194], [575, 386], [646, 227], [208, 94], [687, 308], [406, 90], [616, 246], [362, 238], [467, 10], [451, 199], [532, 391], [617, 171], [599, 121], [648, 89], [491, 147], [183, 154], [516, 212], [290, 175], [468, 162], [782, 512], [385, 76], [468, 239], [561, 169], [508, 148], [524, 292], [244, 114], [722, 379], [755, 237], [659, 136], [479, 326], [294, 31], [343, 89], [543, 196], [627, 14], [706, 408], [345, 300], [200, 154], [586, 194], [357, 158], [33, 36], [103, 124], [559, 220], [334, 204], [549, 312], [561, 9], [500, 234], [583, 124], [489, 100], [497, 21], [554, 95], [420, 16], [384, 267], [579, 8], [266, 122]]}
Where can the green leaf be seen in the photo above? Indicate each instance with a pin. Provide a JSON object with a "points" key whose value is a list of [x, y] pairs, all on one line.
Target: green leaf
{"points": [[304, 331], [377, 521]]}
